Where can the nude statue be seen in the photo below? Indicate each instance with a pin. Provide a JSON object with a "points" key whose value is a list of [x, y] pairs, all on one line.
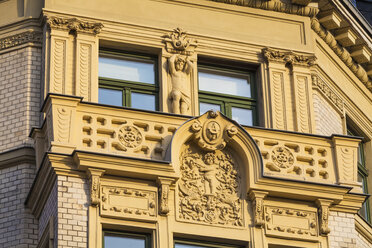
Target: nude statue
{"points": [[179, 69]]}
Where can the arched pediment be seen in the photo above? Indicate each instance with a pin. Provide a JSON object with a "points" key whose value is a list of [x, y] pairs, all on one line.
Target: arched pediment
{"points": [[216, 160]]}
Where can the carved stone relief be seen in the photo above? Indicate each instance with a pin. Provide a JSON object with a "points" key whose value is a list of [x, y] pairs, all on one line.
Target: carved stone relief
{"points": [[130, 137], [323, 212], [180, 66], [290, 57], [94, 181], [210, 187], [127, 202], [73, 24], [290, 222], [19, 39]]}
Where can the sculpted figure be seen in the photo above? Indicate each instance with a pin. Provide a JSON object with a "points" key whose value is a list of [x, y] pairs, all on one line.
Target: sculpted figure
{"points": [[210, 170], [179, 69]]}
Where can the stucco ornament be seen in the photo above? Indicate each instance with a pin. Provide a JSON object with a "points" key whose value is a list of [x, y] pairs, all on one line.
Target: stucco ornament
{"points": [[282, 157], [73, 24], [209, 188], [214, 133], [130, 136]]}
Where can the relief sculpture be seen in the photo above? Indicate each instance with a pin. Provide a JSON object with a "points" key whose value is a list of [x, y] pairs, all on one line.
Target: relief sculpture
{"points": [[209, 188]]}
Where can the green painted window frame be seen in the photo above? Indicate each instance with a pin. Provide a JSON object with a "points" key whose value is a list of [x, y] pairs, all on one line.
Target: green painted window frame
{"points": [[207, 244], [227, 101], [362, 171], [126, 86], [145, 236]]}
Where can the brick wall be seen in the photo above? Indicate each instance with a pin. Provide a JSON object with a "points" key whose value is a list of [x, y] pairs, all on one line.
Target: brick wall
{"points": [[18, 227], [49, 210], [343, 233], [327, 120], [20, 72], [73, 203]]}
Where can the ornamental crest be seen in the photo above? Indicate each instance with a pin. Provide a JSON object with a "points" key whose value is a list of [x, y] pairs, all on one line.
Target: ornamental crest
{"points": [[178, 42], [130, 137], [214, 133], [209, 188]]}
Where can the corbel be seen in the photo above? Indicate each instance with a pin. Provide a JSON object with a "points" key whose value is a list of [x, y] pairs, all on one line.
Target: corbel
{"points": [[257, 198], [94, 181], [323, 213], [164, 188]]}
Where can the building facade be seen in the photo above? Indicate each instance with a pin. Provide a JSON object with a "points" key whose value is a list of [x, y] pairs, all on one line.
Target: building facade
{"points": [[185, 123]]}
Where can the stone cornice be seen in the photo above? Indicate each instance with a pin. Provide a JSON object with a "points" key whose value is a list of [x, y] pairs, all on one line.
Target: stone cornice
{"points": [[17, 156], [20, 39], [292, 58], [277, 6], [74, 24]]}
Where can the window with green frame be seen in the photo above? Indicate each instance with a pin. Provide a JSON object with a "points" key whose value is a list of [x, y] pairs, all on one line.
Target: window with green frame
{"points": [[229, 90], [113, 239], [183, 243], [128, 80], [362, 174]]}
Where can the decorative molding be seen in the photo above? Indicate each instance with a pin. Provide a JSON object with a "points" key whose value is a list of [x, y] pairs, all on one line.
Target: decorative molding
{"points": [[58, 61], [257, 198], [17, 156], [282, 158], [277, 6], [164, 190], [289, 57], [20, 39], [302, 104], [74, 24], [130, 137], [211, 134], [342, 53], [177, 42], [303, 224], [209, 188], [278, 101], [127, 202], [94, 181], [84, 64], [63, 124], [323, 212], [332, 97]]}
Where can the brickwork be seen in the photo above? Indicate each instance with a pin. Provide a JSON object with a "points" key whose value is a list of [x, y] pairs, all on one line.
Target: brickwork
{"points": [[18, 227], [343, 233], [327, 120], [50, 209], [73, 206], [19, 96]]}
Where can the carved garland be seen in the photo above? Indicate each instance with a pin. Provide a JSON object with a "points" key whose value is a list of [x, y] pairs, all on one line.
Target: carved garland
{"points": [[278, 6], [341, 52], [19, 39]]}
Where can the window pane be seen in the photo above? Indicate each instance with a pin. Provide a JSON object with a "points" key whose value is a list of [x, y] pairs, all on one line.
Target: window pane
{"points": [[188, 246], [204, 107], [127, 69], [234, 84], [115, 241], [109, 96], [143, 101], [242, 116]]}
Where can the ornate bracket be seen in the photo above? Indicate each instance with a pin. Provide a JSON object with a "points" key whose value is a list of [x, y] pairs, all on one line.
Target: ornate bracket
{"points": [[290, 57], [94, 180], [257, 198], [74, 24], [211, 132], [164, 188], [177, 42], [323, 212]]}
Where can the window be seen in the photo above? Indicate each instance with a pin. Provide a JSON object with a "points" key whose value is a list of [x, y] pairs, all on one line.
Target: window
{"points": [[197, 244], [362, 174], [120, 240], [128, 80], [230, 91]]}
